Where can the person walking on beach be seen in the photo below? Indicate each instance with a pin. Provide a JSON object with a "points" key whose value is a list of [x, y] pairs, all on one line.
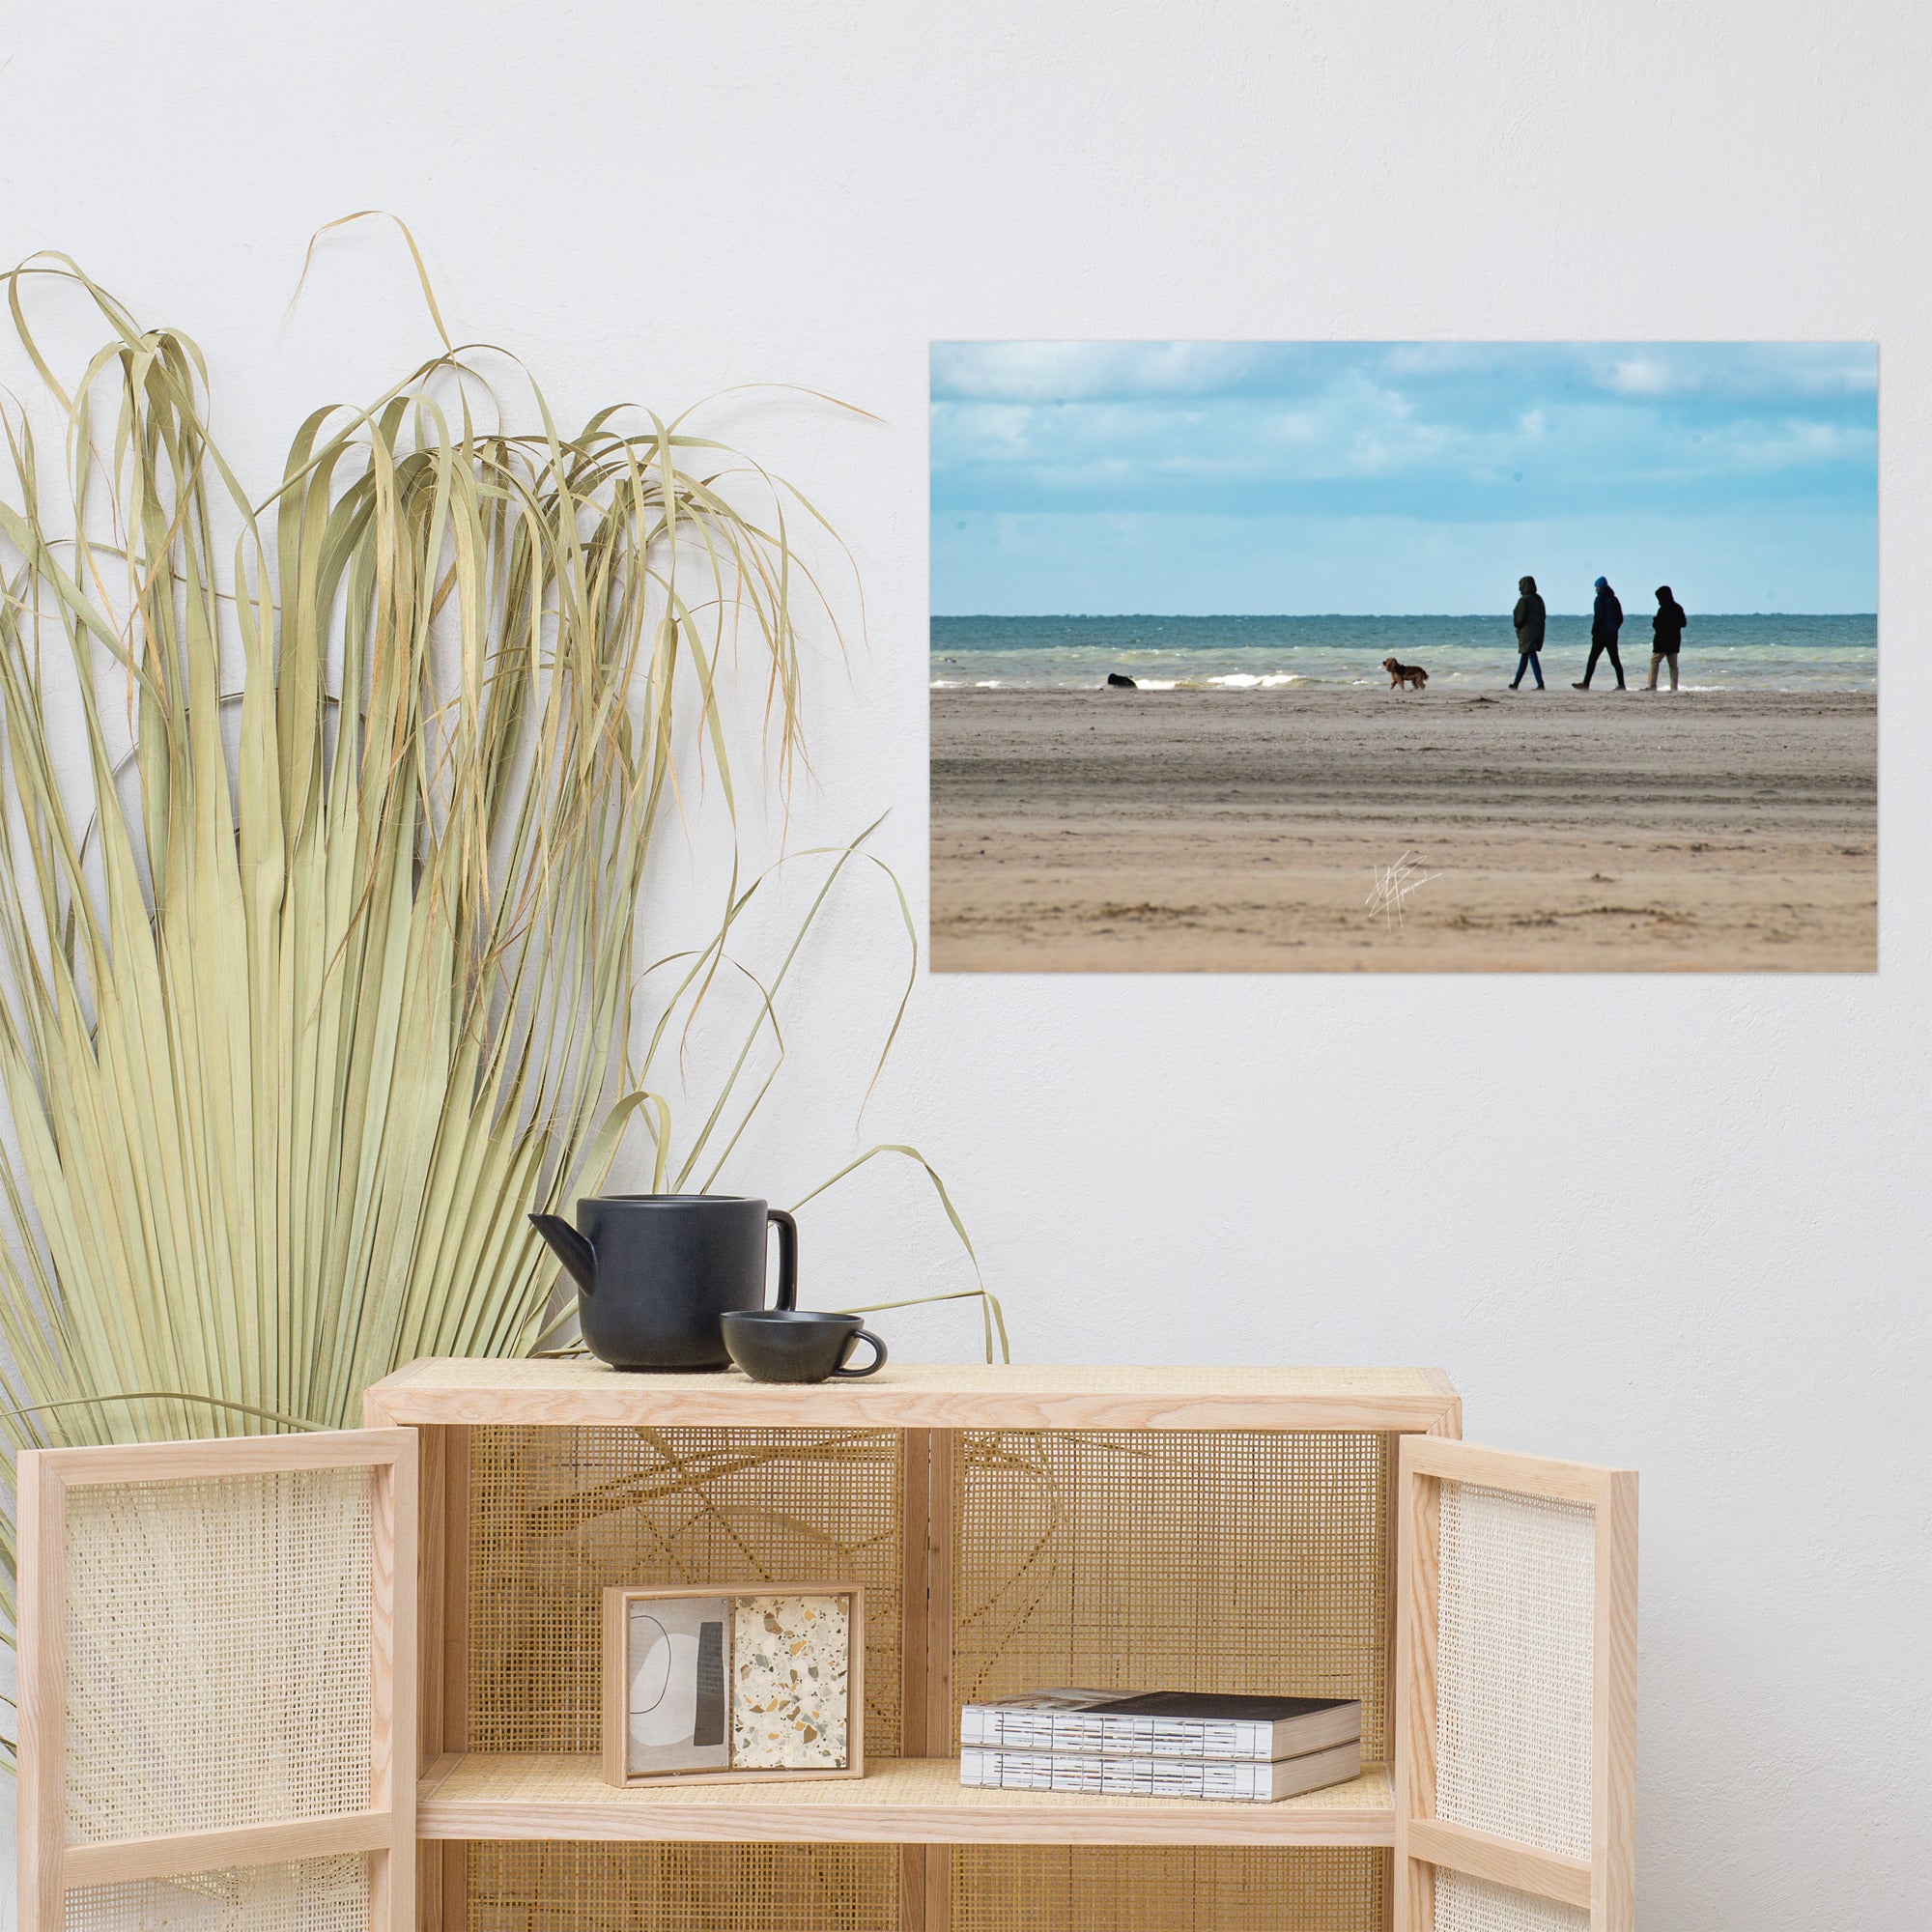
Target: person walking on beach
{"points": [[1667, 634], [1527, 618], [1605, 621]]}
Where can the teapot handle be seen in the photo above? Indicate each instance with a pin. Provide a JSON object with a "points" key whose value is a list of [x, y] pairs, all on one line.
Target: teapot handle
{"points": [[788, 1258]]}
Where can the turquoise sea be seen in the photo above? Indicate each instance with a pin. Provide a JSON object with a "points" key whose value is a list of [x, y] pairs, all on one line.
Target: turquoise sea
{"points": [[1749, 652]]}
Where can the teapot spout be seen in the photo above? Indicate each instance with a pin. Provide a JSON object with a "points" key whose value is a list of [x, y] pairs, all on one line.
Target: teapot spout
{"points": [[570, 1248]]}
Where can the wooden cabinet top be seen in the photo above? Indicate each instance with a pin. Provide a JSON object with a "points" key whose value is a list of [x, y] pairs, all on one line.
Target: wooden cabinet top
{"points": [[917, 1395]]}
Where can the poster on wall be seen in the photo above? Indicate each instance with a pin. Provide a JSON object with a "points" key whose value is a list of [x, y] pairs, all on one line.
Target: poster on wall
{"points": [[1404, 657]]}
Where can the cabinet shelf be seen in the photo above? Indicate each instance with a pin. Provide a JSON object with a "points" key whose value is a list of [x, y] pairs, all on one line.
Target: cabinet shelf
{"points": [[898, 1801]]}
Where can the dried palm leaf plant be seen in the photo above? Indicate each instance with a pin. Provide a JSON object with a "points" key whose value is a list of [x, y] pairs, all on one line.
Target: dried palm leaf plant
{"points": [[317, 962]]}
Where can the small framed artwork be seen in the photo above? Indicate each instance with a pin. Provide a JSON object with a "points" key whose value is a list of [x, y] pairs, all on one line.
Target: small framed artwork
{"points": [[753, 1685]]}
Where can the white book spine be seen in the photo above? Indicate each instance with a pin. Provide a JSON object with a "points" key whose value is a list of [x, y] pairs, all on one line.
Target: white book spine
{"points": [[1115, 1777], [994, 1727]]}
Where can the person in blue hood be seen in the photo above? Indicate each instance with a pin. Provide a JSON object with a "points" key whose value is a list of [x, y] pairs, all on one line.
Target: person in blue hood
{"points": [[1605, 621]]}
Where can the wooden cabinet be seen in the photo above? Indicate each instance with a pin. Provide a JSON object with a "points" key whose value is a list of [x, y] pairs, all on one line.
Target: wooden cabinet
{"points": [[1316, 1530]]}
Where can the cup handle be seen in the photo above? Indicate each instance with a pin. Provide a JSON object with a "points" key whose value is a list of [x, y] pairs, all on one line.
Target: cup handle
{"points": [[872, 1367], [787, 1257]]}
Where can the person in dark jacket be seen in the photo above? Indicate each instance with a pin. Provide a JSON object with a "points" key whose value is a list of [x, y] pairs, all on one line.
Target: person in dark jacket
{"points": [[1527, 617], [1667, 635], [1605, 621]]}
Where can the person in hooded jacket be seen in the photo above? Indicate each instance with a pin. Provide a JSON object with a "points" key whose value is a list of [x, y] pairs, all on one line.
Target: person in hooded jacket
{"points": [[1667, 635], [1605, 621], [1527, 617]]}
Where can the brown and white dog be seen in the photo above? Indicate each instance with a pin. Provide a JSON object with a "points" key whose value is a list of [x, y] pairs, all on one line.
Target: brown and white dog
{"points": [[1412, 676]]}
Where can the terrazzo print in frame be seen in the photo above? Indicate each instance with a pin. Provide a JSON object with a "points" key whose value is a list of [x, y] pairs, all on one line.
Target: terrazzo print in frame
{"points": [[791, 1683], [704, 1682]]}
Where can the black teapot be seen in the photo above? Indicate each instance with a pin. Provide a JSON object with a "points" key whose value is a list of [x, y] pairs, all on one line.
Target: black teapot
{"points": [[655, 1272]]}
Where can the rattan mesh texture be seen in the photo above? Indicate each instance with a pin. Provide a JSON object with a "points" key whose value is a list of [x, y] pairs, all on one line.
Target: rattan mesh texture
{"points": [[558, 1514], [539, 1886], [312, 1895], [1253, 1561], [1210, 1560], [1514, 1668], [1465, 1904], [217, 1653], [1113, 1889]]}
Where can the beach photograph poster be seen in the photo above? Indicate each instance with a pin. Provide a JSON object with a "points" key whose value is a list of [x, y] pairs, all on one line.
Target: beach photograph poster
{"points": [[1407, 657]]}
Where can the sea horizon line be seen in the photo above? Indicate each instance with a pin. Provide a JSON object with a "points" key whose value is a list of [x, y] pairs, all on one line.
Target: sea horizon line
{"points": [[1306, 617]]}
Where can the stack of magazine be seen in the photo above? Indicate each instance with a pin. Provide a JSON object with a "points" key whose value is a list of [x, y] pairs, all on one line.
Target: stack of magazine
{"points": [[1163, 1744]]}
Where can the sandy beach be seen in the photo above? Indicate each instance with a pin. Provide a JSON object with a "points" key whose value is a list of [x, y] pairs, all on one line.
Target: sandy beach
{"points": [[1569, 830]]}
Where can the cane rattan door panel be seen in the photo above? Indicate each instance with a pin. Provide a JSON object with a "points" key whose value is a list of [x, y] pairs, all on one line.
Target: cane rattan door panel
{"points": [[1515, 1693], [218, 1704]]}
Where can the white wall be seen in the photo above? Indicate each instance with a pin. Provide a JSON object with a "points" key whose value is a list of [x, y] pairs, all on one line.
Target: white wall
{"points": [[1676, 1222]]}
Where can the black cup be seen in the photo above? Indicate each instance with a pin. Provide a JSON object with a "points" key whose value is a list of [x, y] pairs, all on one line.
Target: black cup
{"points": [[789, 1345]]}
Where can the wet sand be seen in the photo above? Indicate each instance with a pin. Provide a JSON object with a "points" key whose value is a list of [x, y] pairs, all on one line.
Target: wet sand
{"points": [[1242, 831]]}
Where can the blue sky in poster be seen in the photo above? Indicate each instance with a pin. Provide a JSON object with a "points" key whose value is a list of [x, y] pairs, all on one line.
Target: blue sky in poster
{"points": [[1212, 478]]}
